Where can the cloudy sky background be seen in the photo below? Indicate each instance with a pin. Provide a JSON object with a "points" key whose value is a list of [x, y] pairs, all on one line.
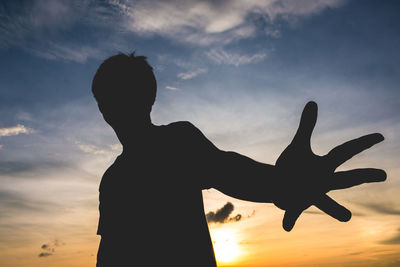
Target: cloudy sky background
{"points": [[241, 71]]}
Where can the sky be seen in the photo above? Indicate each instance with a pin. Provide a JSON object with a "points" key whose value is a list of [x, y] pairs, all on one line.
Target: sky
{"points": [[241, 71]]}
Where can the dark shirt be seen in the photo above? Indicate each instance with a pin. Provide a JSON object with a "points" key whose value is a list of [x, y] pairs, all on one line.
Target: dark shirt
{"points": [[151, 205]]}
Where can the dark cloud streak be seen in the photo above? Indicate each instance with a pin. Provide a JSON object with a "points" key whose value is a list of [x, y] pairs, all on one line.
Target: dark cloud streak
{"points": [[14, 204], [19, 167], [49, 248], [44, 254], [395, 240], [222, 215], [383, 208]]}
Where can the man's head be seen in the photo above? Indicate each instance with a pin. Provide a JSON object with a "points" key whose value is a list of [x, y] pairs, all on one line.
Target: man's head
{"points": [[125, 88]]}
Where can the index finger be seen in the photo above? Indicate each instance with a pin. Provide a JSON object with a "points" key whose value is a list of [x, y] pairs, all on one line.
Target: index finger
{"points": [[346, 151]]}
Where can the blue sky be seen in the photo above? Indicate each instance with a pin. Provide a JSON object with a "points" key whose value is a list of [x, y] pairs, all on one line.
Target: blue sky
{"points": [[241, 71]]}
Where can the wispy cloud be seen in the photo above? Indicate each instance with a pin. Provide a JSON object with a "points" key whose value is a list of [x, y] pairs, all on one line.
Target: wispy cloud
{"points": [[383, 208], [395, 240], [15, 130], [210, 22], [39, 26], [221, 56], [13, 204], [171, 88], [18, 167], [317, 212], [191, 73], [92, 149], [67, 52]]}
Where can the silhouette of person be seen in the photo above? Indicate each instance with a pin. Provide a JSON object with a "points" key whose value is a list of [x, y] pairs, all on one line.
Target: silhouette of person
{"points": [[151, 206]]}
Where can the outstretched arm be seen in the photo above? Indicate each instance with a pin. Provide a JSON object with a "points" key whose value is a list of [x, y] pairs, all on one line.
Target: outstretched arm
{"points": [[244, 178], [298, 180], [231, 173]]}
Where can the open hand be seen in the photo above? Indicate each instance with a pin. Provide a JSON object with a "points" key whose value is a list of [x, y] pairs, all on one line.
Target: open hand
{"points": [[305, 178]]}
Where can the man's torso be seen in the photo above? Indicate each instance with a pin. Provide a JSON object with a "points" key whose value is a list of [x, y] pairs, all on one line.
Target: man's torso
{"points": [[151, 204]]}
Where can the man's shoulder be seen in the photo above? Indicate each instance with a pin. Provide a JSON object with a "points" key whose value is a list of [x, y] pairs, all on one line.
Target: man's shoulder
{"points": [[182, 125], [183, 129], [188, 134]]}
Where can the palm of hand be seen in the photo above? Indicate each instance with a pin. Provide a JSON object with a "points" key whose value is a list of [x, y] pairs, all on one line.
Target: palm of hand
{"points": [[305, 178]]}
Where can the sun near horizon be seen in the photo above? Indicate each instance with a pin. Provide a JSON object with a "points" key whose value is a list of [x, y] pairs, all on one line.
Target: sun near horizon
{"points": [[226, 246]]}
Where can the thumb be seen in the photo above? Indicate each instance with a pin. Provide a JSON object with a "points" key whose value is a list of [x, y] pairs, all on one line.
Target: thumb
{"points": [[289, 219], [307, 124]]}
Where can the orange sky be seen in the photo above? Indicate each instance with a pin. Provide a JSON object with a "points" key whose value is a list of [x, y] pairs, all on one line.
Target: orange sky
{"points": [[316, 240], [68, 227]]}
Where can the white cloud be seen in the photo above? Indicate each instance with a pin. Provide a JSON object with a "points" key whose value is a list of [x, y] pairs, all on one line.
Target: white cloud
{"points": [[92, 149], [285, 8], [199, 22], [66, 52], [36, 26], [210, 22], [15, 130], [220, 56], [191, 73], [171, 88], [115, 147]]}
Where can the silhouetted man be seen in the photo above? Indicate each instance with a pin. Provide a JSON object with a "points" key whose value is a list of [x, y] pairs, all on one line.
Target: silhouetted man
{"points": [[151, 206]]}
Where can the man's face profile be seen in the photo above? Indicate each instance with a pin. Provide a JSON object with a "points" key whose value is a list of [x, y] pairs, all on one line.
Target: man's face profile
{"points": [[125, 88]]}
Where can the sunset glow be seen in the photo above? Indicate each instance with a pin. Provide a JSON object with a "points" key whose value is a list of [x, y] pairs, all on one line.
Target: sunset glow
{"points": [[225, 244], [241, 72]]}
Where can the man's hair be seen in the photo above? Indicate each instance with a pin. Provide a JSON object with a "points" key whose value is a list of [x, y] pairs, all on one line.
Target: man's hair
{"points": [[125, 78]]}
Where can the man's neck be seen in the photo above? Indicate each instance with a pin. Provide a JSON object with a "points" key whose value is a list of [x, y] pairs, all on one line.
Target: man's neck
{"points": [[136, 136]]}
